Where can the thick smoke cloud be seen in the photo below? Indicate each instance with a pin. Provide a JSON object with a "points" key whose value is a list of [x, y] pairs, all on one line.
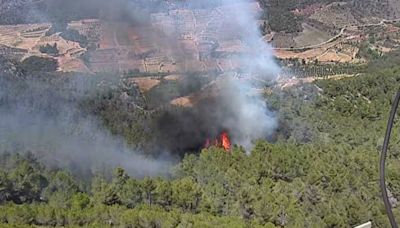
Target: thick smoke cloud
{"points": [[69, 138], [44, 118], [84, 147], [252, 118], [235, 107]]}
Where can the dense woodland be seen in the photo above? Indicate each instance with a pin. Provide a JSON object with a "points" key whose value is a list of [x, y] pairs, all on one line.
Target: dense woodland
{"points": [[321, 170]]}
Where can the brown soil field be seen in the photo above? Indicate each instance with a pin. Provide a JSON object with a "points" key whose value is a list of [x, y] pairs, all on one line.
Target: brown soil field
{"points": [[183, 101], [145, 83], [207, 92], [72, 65], [331, 52], [107, 39], [31, 37]]}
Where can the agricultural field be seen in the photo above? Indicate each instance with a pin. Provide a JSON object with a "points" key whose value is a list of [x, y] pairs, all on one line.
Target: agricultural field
{"points": [[167, 113]]}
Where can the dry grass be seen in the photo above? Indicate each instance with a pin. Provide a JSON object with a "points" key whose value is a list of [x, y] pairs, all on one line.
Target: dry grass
{"points": [[311, 36], [331, 52]]}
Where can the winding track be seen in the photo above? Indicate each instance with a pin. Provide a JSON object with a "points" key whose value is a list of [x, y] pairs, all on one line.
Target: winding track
{"points": [[382, 22]]}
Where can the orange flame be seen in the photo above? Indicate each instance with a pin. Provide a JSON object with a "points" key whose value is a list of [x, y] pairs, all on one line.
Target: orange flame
{"points": [[226, 142], [222, 141]]}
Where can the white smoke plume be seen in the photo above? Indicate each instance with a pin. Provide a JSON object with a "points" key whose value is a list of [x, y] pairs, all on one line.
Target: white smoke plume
{"points": [[253, 118], [45, 122], [88, 147], [239, 109]]}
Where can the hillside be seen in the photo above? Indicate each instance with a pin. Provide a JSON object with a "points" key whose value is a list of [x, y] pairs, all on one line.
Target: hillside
{"points": [[321, 171], [211, 113], [322, 32]]}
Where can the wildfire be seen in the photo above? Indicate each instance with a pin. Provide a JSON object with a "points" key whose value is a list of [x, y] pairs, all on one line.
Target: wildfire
{"points": [[226, 142], [222, 141]]}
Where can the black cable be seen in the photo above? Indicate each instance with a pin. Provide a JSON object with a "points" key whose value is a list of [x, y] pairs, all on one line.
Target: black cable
{"points": [[382, 182]]}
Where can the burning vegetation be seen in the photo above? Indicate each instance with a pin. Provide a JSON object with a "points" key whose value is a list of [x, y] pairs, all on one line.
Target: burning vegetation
{"points": [[223, 141]]}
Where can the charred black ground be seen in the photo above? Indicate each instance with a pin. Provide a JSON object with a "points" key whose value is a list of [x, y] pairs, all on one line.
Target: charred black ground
{"points": [[187, 129]]}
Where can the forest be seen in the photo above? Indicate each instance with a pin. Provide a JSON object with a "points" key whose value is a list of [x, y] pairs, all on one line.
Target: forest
{"points": [[319, 170]]}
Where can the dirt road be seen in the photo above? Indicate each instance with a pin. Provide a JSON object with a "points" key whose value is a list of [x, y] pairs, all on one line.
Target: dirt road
{"points": [[342, 30]]}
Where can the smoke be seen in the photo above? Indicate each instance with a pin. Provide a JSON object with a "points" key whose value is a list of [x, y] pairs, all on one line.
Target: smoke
{"points": [[235, 107], [44, 118], [252, 118], [83, 147]]}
